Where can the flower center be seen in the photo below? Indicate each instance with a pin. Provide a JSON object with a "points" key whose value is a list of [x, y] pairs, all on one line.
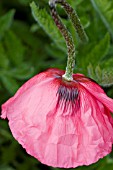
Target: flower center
{"points": [[68, 98], [68, 94]]}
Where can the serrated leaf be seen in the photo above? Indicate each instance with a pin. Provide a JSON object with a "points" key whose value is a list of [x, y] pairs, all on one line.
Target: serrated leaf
{"points": [[105, 10], [9, 83], [107, 77], [14, 47], [3, 58], [104, 76], [107, 63], [6, 21], [99, 51], [46, 22], [90, 70], [98, 73]]}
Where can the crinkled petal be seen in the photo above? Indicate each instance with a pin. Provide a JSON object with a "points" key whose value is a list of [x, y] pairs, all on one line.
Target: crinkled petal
{"points": [[99, 93], [27, 112], [32, 82], [97, 127], [36, 81], [80, 139]]}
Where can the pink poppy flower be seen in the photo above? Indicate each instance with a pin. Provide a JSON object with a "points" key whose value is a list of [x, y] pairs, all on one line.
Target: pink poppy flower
{"points": [[62, 124]]}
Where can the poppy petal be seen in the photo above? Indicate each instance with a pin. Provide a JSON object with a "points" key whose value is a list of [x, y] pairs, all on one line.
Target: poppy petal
{"points": [[99, 94]]}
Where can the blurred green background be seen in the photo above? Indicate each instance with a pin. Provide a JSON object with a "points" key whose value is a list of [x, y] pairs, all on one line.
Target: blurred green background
{"points": [[28, 47]]}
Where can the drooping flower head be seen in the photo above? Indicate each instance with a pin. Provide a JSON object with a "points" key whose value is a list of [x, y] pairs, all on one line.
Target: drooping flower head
{"points": [[62, 124], [60, 118]]}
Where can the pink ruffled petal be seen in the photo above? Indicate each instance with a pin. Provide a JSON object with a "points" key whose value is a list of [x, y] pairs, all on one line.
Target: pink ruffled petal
{"points": [[97, 127], [32, 82], [82, 138], [99, 93], [37, 80], [28, 109]]}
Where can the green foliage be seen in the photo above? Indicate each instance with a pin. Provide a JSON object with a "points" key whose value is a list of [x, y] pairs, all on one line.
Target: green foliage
{"points": [[27, 48], [3, 57], [105, 10], [9, 83], [103, 76], [24, 2], [74, 4], [99, 69], [13, 44], [6, 21], [47, 24], [98, 51]]}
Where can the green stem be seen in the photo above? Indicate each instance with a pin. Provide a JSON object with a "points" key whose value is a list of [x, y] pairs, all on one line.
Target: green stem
{"points": [[75, 20], [66, 34]]}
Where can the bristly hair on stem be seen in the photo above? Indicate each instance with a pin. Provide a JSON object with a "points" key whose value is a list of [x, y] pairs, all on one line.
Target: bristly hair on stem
{"points": [[68, 76], [75, 20]]}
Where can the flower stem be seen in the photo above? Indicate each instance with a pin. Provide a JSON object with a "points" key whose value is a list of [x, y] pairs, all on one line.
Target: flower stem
{"points": [[75, 20], [66, 34]]}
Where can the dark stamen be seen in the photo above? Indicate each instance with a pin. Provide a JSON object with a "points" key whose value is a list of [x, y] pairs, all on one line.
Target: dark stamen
{"points": [[68, 98]]}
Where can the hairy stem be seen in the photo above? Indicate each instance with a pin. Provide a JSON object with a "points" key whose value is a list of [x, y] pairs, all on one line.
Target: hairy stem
{"points": [[75, 20], [66, 34]]}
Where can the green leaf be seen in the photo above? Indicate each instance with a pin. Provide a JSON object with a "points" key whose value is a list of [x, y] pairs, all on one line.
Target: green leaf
{"points": [[46, 22], [104, 76], [9, 83], [14, 47], [10, 149], [92, 53], [105, 10], [107, 62], [74, 3], [107, 77], [91, 72], [31, 40], [4, 62], [98, 51], [4, 133], [23, 72], [6, 21]]}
